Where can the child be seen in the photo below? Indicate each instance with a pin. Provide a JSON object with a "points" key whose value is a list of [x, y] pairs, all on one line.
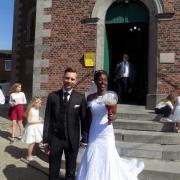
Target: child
{"points": [[34, 129], [16, 112], [176, 115]]}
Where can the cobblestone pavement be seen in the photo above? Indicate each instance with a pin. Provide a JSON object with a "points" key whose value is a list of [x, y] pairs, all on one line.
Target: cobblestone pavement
{"points": [[13, 164]]}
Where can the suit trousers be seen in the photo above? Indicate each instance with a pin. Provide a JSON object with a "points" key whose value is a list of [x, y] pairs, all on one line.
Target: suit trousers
{"points": [[123, 89], [56, 151]]}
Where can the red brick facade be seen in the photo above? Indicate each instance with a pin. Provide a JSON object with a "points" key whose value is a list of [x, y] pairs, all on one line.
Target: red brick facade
{"points": [[169, 41], [66, 39], [68, 42]]}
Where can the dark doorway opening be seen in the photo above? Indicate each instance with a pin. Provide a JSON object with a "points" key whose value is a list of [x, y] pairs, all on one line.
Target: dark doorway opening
{"points": [[130, 38]]}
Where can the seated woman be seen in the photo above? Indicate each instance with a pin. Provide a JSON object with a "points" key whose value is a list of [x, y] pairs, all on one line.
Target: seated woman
{"points": [[166, 106]]}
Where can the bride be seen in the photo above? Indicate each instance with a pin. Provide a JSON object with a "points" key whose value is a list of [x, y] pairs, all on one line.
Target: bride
{"points": [[101, 160]]}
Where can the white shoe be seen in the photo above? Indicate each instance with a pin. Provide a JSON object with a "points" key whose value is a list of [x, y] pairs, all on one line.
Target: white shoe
{"points": [[165, 120]]}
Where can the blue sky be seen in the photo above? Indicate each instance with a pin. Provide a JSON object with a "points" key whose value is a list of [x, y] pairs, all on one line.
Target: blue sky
{"points": [[6, 24]]}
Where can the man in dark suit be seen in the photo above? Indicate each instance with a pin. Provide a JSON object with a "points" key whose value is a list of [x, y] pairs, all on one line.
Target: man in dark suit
{"points": [[65, 110], [124, 78]]}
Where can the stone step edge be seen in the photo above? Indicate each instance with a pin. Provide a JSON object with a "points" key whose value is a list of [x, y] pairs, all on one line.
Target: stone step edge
{"points": [[150, 147], [149, 133], [140, 121]]}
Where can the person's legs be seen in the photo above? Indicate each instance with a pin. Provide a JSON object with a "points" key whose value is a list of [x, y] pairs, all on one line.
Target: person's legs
{"points": [[21, 128], [71, 156], [177, 127], [126, 89], [55, 155], [166, 111], [13, 117], [13, 129], [119, 90], [20, 114], [122, 90], [30, 150]]}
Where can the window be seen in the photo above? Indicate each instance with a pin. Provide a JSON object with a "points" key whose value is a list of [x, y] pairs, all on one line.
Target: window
{"points": [[8, 65]]}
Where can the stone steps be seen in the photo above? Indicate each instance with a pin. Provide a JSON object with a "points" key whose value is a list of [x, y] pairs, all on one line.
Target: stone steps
{"points": [[143, 125], [149, 151], [150, 137], [160, 170]]}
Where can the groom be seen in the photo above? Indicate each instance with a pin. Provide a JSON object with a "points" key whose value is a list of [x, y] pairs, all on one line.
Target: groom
{"points": [[65, 110]]}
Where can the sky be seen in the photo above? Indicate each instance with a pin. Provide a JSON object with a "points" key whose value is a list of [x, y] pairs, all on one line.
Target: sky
{"points": [[6, 24]]}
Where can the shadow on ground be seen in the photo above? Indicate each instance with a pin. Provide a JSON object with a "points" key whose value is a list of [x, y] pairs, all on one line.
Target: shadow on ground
{"points": [[12, 172], [16, 152], [5, 135]]}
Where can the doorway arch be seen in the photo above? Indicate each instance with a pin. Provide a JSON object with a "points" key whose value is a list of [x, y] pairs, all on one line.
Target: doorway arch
{"points": [[155, 7]]}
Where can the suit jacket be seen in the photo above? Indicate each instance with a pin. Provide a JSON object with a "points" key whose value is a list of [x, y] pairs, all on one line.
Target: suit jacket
{"points": [[131, 71], [76, 113]]}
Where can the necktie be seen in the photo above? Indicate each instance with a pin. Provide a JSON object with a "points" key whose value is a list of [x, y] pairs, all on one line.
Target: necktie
{"points": [[65, 100]]}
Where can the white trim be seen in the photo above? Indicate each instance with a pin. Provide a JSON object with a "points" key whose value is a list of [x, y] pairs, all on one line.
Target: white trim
{"points": [[159, 6]]}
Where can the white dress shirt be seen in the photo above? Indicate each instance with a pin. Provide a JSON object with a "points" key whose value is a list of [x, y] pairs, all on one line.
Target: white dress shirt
{"points": [[69, 93], [125, 69]]}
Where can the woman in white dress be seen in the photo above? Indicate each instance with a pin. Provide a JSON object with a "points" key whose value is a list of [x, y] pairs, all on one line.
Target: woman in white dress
{"points": [[34, 129], [101, 160]]}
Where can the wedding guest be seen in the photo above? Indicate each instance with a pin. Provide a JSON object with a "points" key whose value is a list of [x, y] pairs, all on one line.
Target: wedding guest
{"points": [[124, 78], [33, 131], [165, 107], [175, 116], [16, 112]]}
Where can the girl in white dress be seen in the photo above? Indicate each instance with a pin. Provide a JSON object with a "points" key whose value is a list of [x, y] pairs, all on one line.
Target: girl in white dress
{"points": [[101, 160], [175, 116], [34, 129]]}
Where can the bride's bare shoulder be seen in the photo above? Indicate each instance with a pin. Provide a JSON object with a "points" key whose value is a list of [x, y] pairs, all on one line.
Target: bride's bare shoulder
{"points": [[91, 97]]}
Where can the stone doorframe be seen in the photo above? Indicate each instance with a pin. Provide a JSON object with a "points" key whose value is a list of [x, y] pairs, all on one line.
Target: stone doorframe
{"points": [[155, 7]]}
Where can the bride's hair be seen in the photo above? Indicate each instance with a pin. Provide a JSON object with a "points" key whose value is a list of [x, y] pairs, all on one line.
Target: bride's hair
{"points": [[98, 73]]}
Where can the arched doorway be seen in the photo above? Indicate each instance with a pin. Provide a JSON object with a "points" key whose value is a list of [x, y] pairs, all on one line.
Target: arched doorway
{"points": [[155, 7], [126, 31]]}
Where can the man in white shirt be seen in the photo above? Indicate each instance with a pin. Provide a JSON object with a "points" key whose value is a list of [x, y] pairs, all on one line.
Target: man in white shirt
{"points": [[124, 78]]}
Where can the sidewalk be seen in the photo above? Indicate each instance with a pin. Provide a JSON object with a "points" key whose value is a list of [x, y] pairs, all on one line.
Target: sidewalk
{"points": [[13, 164]]}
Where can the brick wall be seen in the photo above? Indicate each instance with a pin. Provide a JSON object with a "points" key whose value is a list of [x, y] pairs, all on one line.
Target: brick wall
{"points": [[169, 41], [68, 41]]}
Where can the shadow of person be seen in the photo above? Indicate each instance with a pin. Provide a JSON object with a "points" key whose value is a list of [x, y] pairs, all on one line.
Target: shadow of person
{"points": [[22, 173], [12, 172], [16, 152], [5, 134]]}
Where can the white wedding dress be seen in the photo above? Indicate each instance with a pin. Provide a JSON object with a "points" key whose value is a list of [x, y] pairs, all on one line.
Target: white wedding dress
{"points": [[101, 160]]}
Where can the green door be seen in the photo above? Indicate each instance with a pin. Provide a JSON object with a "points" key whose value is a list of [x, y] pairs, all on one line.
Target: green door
{"points": [[121, 13]]}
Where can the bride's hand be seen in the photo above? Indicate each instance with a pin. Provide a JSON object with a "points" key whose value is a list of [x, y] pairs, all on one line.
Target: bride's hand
{"points": [[111, 117]]}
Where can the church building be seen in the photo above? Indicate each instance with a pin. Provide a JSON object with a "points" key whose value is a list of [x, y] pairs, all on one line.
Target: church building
{"points": [[89, 35]]}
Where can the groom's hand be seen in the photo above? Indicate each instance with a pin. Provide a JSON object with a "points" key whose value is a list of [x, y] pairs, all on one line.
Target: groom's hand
{"points": [[82, 145]]}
